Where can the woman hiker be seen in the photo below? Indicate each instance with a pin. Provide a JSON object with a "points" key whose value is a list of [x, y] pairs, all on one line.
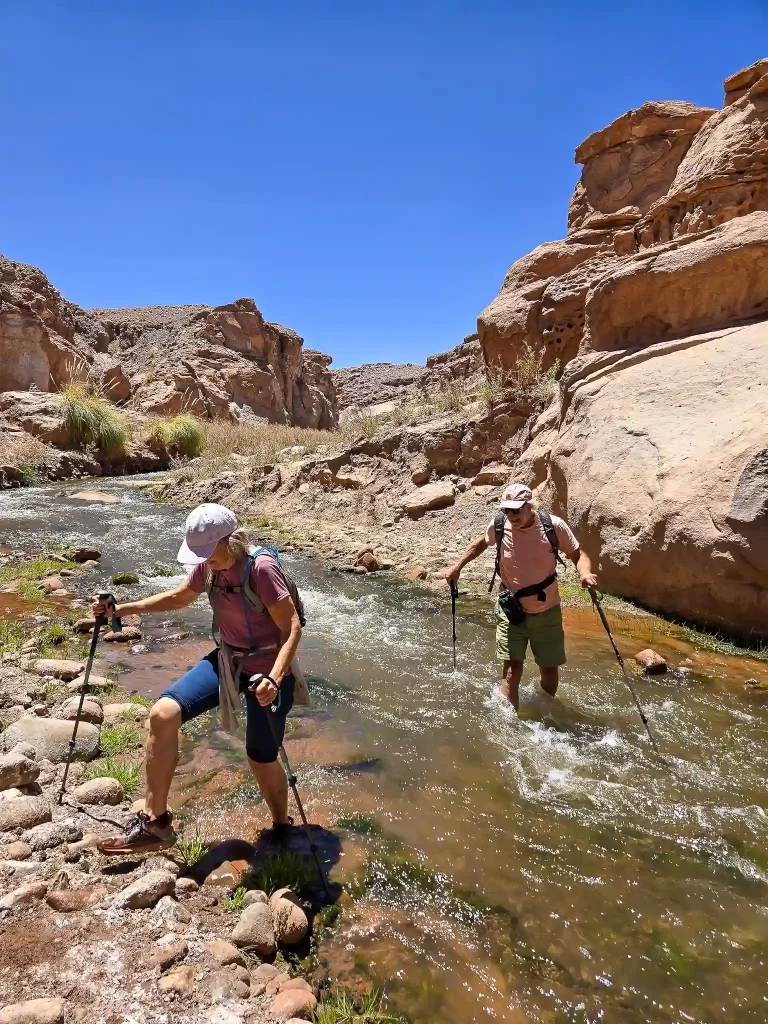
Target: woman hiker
{"points": [[528, 545], [260, 629]]}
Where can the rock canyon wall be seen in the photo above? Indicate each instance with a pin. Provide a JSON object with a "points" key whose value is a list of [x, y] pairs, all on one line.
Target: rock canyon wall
{"points": [[656, 447]]}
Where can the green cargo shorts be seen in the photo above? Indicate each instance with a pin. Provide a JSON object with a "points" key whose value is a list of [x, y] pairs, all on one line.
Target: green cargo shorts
{"points": [[543, 631]]}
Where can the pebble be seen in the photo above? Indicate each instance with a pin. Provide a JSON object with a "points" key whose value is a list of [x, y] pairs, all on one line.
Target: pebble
{"points": [[59, 668], [145, 891], [52, 834], [24, 894], [16, 769], [180, 980], [225, 952], [34, 1011], [185, 887], [24, 812], [15, 851], [100, 791], [255, 931], [254, 896], [293, 1001], [290, 921], [169, 913], [651, 663], [172, 953]]}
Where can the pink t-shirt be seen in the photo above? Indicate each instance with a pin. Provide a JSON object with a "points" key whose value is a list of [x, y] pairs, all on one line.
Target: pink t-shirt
{"points": [[268, 584], [527, 558]]}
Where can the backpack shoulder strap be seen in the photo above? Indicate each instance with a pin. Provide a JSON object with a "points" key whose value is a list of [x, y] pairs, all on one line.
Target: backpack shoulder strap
{"points": [[551, 534], [499, 522], [249, 593]]}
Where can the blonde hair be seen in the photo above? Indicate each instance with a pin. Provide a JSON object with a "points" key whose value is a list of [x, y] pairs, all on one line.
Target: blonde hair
{"points": [[239, 544]]}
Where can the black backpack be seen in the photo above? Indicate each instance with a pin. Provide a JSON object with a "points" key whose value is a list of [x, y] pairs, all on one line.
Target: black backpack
{"points": [[499, 523]]}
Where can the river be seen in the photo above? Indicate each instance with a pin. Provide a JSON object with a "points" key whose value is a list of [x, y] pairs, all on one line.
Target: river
{"points": [[543, 869]]}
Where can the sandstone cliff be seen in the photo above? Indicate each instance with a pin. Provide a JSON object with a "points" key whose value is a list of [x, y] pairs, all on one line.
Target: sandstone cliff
{"points": [[213, 361], [656, 447]]}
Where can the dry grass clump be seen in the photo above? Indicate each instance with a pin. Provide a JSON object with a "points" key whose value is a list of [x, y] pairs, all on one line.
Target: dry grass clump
{"points": [[181, 436], [527, 384], [91, 420], [260, 443]]}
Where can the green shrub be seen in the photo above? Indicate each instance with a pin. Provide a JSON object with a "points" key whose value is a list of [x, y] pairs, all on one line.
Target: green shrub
{"points": [[181, 436], [117, 738], [29, 475], [90, 419], [108, 768], [283, 871], [453, 396]]}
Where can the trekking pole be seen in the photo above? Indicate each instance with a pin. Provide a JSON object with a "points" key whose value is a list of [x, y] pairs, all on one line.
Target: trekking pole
{"points": [[294, 789], [454, 595], [627, 680], [101, 620]]}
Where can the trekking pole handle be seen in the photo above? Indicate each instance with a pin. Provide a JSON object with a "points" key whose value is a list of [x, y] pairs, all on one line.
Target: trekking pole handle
{"points": [[109, 601], [454, 588]]}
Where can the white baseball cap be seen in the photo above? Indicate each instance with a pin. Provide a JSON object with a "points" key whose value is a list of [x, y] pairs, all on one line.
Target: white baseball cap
{"points": [[515, 496], [206, 525]]}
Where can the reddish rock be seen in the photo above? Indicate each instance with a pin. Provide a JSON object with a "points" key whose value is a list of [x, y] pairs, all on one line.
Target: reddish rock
{"points": [[292, 1002], [419, 572], [651, 663]]}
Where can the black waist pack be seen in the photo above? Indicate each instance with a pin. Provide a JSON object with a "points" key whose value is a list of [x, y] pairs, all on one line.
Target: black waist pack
{"points": [[509, 600]]}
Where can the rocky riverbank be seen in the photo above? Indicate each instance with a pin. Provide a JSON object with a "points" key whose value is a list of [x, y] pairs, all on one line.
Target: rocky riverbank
{"points": [[209, 932]]}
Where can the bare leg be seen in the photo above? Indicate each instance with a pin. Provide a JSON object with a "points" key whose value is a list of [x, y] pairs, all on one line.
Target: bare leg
{"points": [[510, 683], [549, 680], [162, 754], [273, 784]]}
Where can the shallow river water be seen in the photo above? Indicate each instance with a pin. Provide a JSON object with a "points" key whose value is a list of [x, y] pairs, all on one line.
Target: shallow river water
{"points": [[549, 868]]}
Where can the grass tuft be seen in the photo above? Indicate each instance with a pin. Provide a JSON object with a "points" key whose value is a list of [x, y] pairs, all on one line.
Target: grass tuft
{"points": [[341, 1006], [181, 436], [283, 871], [234, 900], [192, 849], [29, 475], [90, 419], [108, 768], [116, 739]]}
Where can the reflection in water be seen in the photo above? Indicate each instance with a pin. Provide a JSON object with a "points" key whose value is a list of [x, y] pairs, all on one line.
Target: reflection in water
{"points": [[547, 868]]}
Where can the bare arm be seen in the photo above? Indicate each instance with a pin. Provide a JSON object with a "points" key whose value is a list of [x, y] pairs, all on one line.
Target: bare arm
{"points": [[286, 618], [583, 564], [168, 601], [476, 548]]}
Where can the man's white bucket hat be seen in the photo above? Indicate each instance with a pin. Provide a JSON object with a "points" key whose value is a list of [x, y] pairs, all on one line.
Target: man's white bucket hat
{"points": [[206, 525]]}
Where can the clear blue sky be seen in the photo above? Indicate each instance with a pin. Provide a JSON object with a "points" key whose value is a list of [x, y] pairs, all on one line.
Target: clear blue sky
{"points": [[366, 170]]}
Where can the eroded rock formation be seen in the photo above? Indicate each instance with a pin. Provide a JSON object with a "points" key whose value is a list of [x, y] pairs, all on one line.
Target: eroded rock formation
{"points": [[213, 361], [656, 448]]}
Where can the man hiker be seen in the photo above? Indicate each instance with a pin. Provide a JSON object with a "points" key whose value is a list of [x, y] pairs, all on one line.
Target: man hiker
{"points": [[260, 628], [528, 545]]}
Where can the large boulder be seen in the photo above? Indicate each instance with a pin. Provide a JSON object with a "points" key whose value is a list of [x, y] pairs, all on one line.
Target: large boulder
{"points": [[50, 737], [425, 499], [659, 461]]}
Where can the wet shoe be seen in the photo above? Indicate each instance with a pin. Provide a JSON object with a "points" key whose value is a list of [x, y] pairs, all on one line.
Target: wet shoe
{"points": [[280, 832], [142, 835]]}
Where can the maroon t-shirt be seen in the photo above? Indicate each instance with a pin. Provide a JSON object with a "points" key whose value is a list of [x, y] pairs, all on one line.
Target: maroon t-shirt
{"points": [[268, 584]]}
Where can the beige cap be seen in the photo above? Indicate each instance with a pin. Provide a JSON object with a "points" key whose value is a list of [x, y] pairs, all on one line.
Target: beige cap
{"points": [[515, 496]]}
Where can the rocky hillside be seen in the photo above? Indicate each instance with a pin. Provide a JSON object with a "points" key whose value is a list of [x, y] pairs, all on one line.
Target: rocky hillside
{"points": [[382, 383], [223, 361], [654, 444]]}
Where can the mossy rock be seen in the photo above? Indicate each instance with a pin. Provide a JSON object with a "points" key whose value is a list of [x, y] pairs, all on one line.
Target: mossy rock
{"points": [[125, 578]]}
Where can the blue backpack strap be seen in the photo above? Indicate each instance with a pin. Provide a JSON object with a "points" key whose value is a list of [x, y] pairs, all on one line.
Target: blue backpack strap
{"points": [[246, 574]]}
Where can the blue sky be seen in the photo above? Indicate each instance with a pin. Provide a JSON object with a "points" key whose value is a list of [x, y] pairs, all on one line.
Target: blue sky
{"points": [[367, 171]]}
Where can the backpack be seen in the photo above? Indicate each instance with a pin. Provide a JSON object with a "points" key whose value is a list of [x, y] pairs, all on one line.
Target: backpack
{"points": [[212, 588], [499, 523]]}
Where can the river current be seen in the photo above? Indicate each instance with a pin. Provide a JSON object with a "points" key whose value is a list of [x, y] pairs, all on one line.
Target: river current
{"points": [[547, 868]]}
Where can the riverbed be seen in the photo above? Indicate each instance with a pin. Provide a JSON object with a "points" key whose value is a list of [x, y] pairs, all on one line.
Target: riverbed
{"points": [[546, 868]]}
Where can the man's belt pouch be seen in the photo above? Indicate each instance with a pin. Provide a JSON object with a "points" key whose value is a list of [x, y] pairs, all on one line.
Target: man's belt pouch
{"points": [[509, 600]]}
